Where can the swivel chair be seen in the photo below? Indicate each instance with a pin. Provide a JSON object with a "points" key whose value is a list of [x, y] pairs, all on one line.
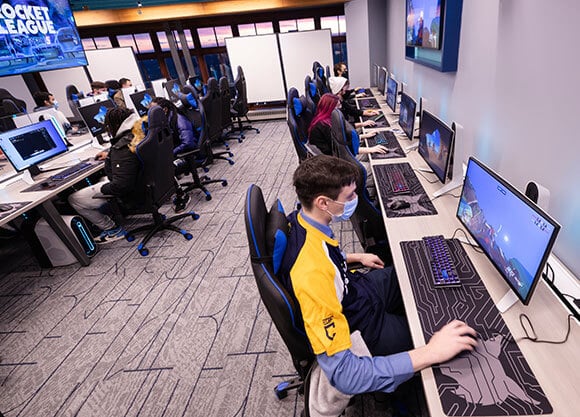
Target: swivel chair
{"points": [[367, 220], [72, 97], [320, 78], [226, 109], [240, 105], [9, 106], [266, 250], [298, 117], [156, 180], [212, 104], [311, 94]]}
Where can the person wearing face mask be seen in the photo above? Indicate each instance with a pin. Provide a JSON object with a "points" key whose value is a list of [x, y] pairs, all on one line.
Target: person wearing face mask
{"points": [[334, 301], [46, 101]]}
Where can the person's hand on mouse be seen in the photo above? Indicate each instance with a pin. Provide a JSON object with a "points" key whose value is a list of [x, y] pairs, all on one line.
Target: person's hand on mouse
{"points": [[369, 123], [101, 156], [378, 149]]}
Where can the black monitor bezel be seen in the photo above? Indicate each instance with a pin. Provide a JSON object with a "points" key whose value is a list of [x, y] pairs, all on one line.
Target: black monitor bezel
{"points": [[412, 130], [447, 169], [381, 86], [170, 95], [394, 107], [107, 103], [137, 104], [534, 207]]}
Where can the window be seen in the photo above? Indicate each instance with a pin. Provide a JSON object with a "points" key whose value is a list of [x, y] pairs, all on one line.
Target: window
{"points": [[103, 42], [305, 24], [336, 24], [218, 65], [207, 37], [264, 28], [88, 44], [127, 40], [247, 29], [221, 33], [150, 69], [339, 52], [189, 39], [144, 43], [288, 26], [250, 29], [163, 42]]}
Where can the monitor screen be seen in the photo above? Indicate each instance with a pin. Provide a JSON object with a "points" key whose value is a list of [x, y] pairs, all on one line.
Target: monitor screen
{"points": [[392, 93], [94, 116], [382, 80], [38, 35], [142, 100], [407, 111], [436, 144], [173, 88], [424, 23], [515, 234], [30, 145]]}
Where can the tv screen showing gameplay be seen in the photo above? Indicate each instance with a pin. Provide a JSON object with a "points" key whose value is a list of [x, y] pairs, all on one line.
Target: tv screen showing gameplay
{"points": [[38, 35], [515, 234], [407, 110], [392, 93], [94, 116], [142, 100], [436, 144], [424, 23]]}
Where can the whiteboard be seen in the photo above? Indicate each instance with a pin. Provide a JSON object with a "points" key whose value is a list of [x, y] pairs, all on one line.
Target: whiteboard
{"points": [[113, 64], [56, 82], [259, 58], [17, 87], [299, 50]]}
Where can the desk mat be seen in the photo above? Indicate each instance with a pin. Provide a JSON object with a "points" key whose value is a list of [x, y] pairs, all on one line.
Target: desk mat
{"points": [[420, 204], [495, 379], [389, 141], [368, 103], [380, 123], [50, 184], [14, 206]]}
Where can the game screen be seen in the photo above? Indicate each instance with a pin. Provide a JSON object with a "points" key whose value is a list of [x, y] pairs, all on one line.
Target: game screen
{"points": [[382, 80], [38, 35], [424, 19], [435, 144], [142, 101], [515, 234], [32, 144], [173, 89], [392, 93], [407, 111], [94, 116]]}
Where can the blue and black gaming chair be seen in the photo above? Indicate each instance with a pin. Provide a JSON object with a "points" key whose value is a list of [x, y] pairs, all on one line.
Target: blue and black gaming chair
{"points": [[298, 117], [311, 94], [367, 219], [320, 78], [266, 232]]}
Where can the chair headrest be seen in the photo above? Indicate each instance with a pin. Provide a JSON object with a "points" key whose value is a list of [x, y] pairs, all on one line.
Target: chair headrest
{"points": [[156, 117], [276, 234], [297, 105]]}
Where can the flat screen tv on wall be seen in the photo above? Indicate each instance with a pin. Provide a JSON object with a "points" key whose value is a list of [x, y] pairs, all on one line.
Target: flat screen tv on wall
{"points": [[424, 23], [38, 35]]}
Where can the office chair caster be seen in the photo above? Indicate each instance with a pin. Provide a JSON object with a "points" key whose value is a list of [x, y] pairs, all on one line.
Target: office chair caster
{"points": [[207, 196], [231, 161], [194, 216], [205, 169], [144, 251], [257, 131], [130, 238], [224, 183], [281, 390], [188, 236], [230, 154]]}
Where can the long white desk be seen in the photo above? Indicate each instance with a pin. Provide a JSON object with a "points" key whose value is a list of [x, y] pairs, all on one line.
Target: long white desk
{"points": [[13, 184], [555, 366]]}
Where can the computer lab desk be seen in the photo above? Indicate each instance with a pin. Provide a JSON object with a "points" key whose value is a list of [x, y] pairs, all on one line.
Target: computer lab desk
{"points": [[556, 367], [12, 185]]}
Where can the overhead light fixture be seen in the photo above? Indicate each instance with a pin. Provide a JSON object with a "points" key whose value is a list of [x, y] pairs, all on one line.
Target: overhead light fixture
{"points": [[139, 6]]}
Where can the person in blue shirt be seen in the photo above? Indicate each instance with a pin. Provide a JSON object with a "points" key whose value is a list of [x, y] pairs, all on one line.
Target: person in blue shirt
{"points": [[334, 302]]}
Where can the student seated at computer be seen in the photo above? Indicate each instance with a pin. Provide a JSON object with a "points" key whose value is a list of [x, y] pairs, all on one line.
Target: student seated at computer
{"points": [[122, 168], [97, 87], [185, 138], [335, 301], [340, 70], [118, 97], [340, 87], [319, 131], [45, 101]]}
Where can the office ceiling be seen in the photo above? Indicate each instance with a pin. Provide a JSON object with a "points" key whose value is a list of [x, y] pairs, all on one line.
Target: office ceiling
{"points": [[125, 4]]}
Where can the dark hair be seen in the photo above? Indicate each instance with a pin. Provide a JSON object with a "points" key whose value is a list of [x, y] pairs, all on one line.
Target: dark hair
{"points": [[171, 112], [112, 84], [123, 81], [97, 85], [40, 97], [338, 68], [115, 118], [322, 175]]}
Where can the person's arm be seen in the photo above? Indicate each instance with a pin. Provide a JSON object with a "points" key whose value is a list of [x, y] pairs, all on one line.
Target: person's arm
{"points": [[367, 259], [320, 137], [186, 138]]}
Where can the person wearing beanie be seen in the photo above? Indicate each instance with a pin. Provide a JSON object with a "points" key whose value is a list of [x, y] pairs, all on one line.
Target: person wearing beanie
{"points": [[339, 87]]}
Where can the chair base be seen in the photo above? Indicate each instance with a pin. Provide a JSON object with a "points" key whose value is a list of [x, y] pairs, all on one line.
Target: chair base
{"points": [[200, 183], [241, 127]]}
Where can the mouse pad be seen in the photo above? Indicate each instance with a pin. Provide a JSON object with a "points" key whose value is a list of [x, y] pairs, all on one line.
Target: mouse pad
{"points": [[493, 380], [368, 103], [381, 122], [416, 197], [15, 206]]}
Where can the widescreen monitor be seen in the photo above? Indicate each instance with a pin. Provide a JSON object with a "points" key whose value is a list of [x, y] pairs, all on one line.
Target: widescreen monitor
{"points": [[26, 147], [38, 35], [407, 110], [173, 88], [514, 233], [142, 101], [424, 23], [436, 145], [382, 80], [392, 86], [94, 116]]}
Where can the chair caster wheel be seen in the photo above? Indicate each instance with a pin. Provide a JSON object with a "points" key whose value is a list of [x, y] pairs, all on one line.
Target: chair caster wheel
{"points": [[208, 197], [205, 169], [242, 136], [130, 238], [281, 391], [188, 236], [144, 251], [230, 154], [257, 131], [224, 183], [231, 162], [164, 217], [195, 216]]}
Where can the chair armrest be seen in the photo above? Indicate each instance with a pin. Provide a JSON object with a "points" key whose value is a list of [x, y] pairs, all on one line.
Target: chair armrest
{"points": [[187, 153]]}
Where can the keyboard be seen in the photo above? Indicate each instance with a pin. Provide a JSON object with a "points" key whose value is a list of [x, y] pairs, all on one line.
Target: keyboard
{"points": [[71, 171], [443, 272], [391, 179], [368, 103], [387, 139]]}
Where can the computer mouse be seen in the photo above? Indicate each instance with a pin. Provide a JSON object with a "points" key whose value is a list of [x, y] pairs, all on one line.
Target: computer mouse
{"points": [[5, 207], [399, 205], [45, 184]]}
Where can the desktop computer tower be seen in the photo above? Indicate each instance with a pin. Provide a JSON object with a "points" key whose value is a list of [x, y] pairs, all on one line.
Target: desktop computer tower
{"points": [[50, 250]]}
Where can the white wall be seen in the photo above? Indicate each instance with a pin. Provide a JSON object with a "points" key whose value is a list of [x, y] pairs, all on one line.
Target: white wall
{"points": [[515, 92], [17, 87], [357, 33]]}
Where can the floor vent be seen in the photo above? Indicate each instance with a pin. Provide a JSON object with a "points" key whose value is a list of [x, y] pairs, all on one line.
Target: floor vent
{"points": [[267, 114]]}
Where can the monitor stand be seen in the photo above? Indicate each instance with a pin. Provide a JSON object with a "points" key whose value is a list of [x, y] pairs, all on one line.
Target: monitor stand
{"points": [[99, 142], [508, 300], [29, 174], [413, 146], [457, 174]]}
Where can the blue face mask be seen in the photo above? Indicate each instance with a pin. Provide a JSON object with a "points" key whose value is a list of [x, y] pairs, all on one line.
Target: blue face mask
{"points": [[349, 208]]}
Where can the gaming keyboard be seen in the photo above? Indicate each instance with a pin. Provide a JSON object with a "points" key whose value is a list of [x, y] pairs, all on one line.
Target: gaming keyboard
{"points": [[443, 272], [71, 171], [392, 179], [388, 139]]}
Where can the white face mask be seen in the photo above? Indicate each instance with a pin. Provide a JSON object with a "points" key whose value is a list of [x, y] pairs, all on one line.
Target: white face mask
{"points": [[55, 104], [349, 209]]}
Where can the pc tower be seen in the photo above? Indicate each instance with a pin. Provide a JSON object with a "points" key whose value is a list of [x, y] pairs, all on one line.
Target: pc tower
{"points": [[50, 250]]}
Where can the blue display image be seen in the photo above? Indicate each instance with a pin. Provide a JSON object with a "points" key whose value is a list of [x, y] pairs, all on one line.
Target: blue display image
{"points": [[147, 99], [391, 93], [512, 234], [424, 23], [100, 116], [176, 89]]}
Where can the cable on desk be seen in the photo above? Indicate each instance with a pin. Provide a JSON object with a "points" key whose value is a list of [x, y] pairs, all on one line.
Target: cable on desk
{"points": [[534, 336], [475, 246], [549, 275]]}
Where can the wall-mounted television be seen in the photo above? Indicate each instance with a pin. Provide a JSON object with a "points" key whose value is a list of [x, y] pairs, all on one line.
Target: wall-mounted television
{"points": [[38, 35], [424, 23]]}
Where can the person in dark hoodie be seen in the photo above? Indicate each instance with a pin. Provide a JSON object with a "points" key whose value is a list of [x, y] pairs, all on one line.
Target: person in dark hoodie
{"points": [[122, 169]]}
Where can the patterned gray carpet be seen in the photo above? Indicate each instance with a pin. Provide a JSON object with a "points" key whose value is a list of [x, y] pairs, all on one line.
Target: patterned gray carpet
{"points": [[181, 332]]}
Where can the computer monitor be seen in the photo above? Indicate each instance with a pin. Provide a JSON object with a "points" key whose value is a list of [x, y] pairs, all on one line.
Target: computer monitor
{"points": [[142, 100], [38, 116], [102, 97], [173, 88], [94, 117], [382, 80], [158, 87], [26, 147], [407, 111], [514, 233], [392, 86], [436, 145]]}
